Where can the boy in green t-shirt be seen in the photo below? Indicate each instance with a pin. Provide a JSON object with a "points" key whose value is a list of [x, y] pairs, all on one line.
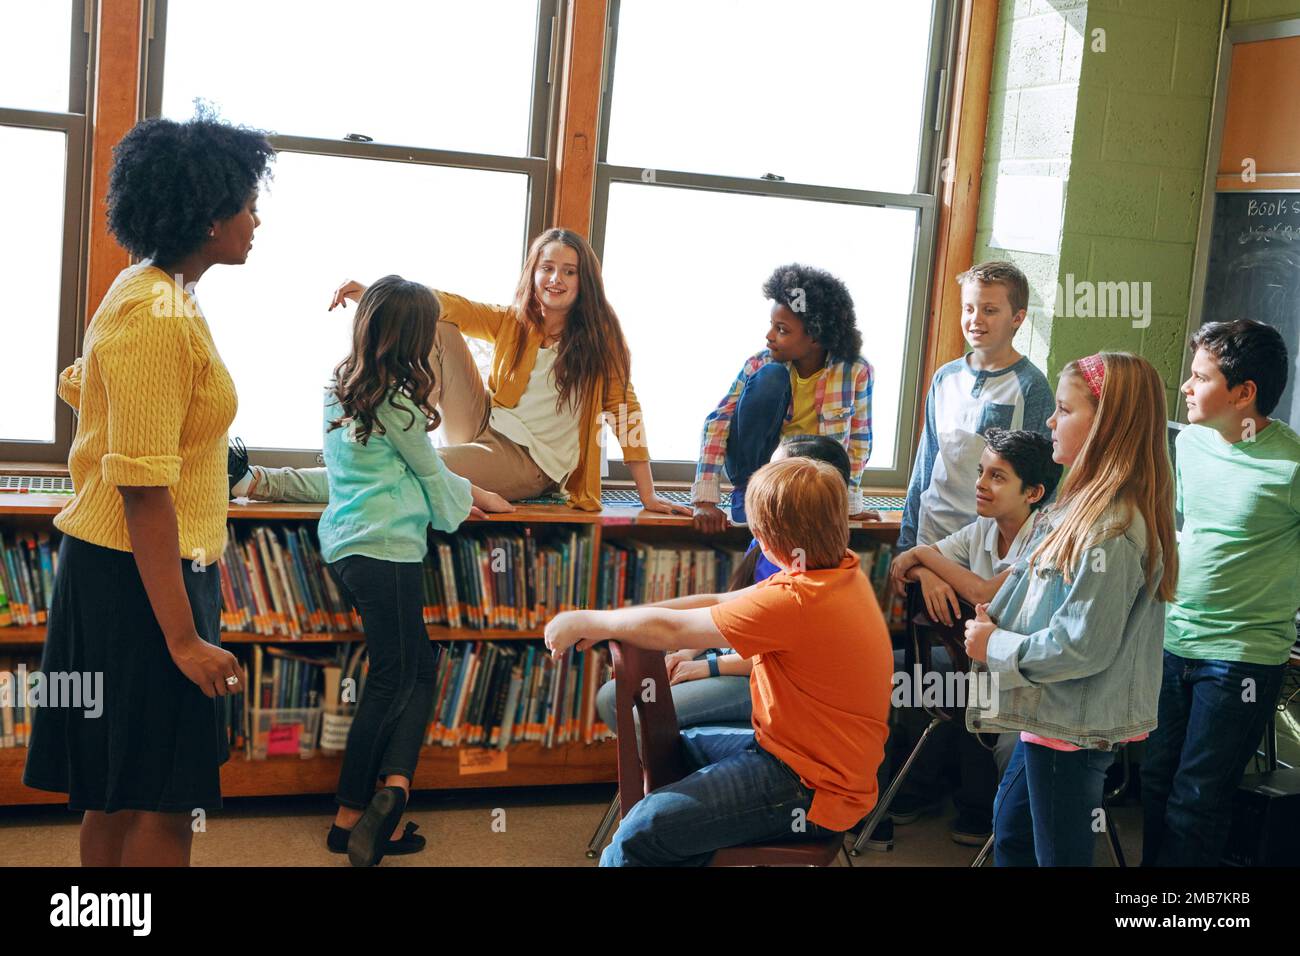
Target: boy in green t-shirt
{"points": [[1231, 625]]}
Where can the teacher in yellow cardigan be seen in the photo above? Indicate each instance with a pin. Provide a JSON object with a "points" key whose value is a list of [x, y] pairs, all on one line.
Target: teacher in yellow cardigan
{"points": [[137, 595], [561, 370]]}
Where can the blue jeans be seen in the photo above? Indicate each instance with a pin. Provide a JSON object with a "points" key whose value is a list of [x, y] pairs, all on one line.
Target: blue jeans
{"points": [[1048, 805], [709, 700], [1196, 757], [738, 794], [755, 429], [393, 714]]}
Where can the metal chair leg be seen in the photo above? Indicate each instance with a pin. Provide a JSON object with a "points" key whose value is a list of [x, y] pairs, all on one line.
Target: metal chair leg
{"points": [[1112, 839], [983, 854], [882, 804], [602, 831]]}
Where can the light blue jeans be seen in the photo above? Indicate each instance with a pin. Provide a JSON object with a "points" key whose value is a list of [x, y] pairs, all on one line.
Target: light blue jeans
{"points": [[709, 700]]}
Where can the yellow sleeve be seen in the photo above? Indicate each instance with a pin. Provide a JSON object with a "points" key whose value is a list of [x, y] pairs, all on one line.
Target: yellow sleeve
{"points": [[69, 387], [623, 414], [147, 370], [474, 319]]}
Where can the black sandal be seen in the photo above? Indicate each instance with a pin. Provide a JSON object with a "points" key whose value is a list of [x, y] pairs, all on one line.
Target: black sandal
{"points": [[410, 841], [369, 840]]}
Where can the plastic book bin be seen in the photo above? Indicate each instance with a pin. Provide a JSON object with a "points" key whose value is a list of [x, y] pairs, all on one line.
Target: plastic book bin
{"points": [[334, 726], [279, 733]]}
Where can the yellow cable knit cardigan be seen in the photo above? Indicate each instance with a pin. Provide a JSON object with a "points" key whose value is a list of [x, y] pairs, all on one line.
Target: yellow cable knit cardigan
{"points": [[611, 402], [154, 402]]}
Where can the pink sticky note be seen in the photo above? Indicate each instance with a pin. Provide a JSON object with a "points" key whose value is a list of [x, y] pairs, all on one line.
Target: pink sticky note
{"points": [[283, 739]]}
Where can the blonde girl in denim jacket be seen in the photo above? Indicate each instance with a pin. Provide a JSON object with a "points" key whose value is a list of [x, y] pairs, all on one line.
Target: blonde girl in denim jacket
{"points": [[1073, 638]]}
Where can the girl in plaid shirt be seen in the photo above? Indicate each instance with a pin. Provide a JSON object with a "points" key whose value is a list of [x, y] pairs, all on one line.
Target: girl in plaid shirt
{"points": [[811, 379]]}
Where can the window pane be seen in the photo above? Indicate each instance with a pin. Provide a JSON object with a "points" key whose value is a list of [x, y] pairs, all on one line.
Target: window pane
{"points": [[823, 92], [32, 197], [325, 220], [35, 54], [445, 75], [716, 316]]}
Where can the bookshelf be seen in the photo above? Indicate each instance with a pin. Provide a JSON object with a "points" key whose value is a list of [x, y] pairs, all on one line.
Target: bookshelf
{"points": [[525, 763]]}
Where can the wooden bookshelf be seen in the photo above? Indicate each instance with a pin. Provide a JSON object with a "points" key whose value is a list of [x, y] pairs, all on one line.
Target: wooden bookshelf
{"points": [[528, 763]]}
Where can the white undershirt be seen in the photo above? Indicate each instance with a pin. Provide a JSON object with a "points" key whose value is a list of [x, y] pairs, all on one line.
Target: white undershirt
{"points": [[551, 439]]}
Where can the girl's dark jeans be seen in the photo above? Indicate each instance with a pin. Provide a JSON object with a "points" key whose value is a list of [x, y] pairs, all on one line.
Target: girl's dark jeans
{"points": [[394, 710]]}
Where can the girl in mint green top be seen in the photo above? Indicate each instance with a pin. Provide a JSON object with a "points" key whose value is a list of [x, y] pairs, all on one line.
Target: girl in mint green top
{"points": [[385, 494], [387, 485]]}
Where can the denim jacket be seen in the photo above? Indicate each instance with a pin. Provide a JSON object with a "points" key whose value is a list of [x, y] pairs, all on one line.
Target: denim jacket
{"points": [[1079, 662]]}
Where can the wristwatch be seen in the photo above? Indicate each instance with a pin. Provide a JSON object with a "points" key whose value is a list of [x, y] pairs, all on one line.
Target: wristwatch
{"points": [[713, 664]]}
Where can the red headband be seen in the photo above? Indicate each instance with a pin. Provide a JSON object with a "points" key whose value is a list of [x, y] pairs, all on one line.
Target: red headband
{"points": [[1094, 373]]}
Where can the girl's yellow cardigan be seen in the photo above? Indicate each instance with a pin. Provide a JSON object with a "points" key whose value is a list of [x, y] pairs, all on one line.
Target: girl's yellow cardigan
{"points": [[497, 324]]}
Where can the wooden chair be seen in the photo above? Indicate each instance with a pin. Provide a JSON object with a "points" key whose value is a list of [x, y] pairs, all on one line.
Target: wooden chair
{"points": [[659, 759]]}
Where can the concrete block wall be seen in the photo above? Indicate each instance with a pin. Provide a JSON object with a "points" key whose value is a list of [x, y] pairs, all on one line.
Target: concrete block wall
{"points": [[1138, 161], [1128, 131], [1031, 132]]}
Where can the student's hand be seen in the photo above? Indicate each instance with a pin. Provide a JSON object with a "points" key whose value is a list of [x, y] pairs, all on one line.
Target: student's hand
{"points": [[566, 629], [868, 515], [208, 666], [349, 290], [978, 631], [689, 670], [709, 518], [898, 570], [676, 659], [940, 599], [663, 506], [489, 501]]}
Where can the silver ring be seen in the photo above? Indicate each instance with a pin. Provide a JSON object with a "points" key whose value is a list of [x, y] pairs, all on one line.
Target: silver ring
{"points": [[232, 680]]}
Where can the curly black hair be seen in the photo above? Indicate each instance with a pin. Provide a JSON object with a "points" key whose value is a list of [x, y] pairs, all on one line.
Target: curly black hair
{"points": [[823, 303], [171, 181]]}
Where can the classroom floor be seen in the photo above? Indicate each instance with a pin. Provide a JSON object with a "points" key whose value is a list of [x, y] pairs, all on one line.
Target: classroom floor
{"points": [[527, 826], [542, 827]]}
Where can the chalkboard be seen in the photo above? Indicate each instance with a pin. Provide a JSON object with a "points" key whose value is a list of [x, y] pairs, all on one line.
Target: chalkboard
{"points": [[1253, 272]]}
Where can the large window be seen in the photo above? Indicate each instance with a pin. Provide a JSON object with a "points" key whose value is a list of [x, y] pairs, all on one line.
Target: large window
{"points": [[43, 50], [740, 136], [412, 139]]}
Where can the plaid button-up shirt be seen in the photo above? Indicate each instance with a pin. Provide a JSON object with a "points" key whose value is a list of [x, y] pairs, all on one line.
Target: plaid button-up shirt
{"points": [[843, 403]]}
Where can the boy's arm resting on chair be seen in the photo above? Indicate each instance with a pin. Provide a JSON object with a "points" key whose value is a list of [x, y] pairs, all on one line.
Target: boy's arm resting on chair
{"points": [[688, 624], [965, 582]]}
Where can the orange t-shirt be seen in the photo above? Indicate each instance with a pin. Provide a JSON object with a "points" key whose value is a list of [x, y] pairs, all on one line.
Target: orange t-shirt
{"points": [[823, 667]]}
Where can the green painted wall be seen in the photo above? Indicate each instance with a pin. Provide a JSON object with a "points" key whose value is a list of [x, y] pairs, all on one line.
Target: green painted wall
{"points": [[1134, 196], [1127, 130]]}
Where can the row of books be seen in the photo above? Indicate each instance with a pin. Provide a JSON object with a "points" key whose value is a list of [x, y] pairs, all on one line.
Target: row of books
{"points": [[633, 572], [274, 582], [27, 566], [486, 694], [494, 694], [514, 581], [16, 676]]}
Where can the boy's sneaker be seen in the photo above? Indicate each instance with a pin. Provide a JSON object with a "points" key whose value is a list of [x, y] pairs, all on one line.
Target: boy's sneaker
{"points": [[905, 809], [236, 464], [882, 837], [970, 829]]}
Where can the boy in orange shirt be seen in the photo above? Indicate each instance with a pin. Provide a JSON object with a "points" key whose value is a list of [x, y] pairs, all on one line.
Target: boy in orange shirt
{"points": [[820, 684]]}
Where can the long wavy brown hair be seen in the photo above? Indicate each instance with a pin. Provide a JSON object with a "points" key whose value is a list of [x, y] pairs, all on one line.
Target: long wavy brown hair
{"points": [[1124, 460], [592, 348], [392, 337]]}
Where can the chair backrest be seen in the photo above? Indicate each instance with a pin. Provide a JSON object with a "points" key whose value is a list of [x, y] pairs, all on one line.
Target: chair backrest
{"points": [[923, 631], [641, 687]]}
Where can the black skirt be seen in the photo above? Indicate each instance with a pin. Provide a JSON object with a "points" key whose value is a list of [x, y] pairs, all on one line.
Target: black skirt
{"points": [[158, 742]]}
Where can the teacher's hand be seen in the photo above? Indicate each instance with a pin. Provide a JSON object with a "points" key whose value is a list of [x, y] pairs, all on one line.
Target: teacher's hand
{"points": [[349, 290]]}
